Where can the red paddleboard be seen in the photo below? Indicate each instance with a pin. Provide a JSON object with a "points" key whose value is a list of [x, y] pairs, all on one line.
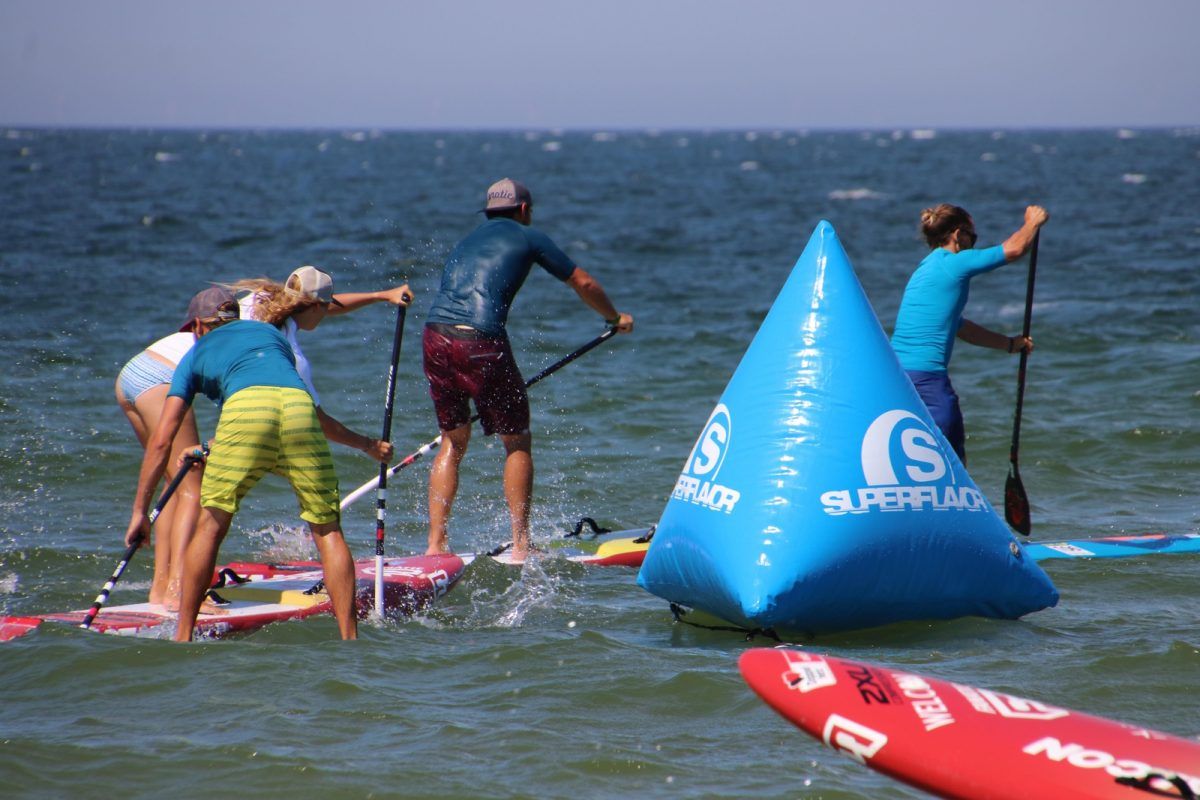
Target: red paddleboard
{"points": [[12, 627], [958, 741], [274, 593]]}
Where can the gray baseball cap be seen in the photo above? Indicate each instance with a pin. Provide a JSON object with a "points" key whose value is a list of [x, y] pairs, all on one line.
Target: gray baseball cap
{"points": [[505, 194], [208, 304]]}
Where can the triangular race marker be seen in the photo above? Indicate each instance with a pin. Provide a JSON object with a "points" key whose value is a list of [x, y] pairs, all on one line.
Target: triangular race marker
{"points": [[820, 495]]}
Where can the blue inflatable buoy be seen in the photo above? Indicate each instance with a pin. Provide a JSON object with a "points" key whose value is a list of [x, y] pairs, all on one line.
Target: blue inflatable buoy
{"points": [[820, 495]]}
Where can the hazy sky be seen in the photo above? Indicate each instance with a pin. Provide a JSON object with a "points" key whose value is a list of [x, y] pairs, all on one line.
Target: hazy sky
{"points": [[605, 64]]}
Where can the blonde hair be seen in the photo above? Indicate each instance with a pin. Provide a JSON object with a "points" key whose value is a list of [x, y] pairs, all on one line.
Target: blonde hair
{"points": [[939, 222], [274, 302]]}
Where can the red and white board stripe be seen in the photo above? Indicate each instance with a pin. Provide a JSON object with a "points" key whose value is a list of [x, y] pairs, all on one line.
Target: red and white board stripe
{"points": [[959, 741]]}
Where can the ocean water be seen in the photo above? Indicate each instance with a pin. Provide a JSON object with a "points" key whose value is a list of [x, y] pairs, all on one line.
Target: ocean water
{"points": [[560, 681]]}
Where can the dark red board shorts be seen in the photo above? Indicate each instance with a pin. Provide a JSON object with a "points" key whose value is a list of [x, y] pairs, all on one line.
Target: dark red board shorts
{"points": [[466, 365]]}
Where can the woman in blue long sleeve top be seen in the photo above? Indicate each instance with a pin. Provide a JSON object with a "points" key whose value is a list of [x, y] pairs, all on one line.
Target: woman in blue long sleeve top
{"points": [[930, 316]]}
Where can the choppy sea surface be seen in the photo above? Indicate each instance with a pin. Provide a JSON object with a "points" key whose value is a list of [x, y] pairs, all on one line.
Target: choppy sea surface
{"points": [[560, 681]]}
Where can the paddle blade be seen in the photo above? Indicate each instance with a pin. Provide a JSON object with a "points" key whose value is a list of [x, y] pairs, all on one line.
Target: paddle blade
{"points": [[1016, 504]]}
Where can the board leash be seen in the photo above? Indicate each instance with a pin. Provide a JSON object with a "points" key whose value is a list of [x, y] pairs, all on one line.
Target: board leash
{"points": [[1146, 783], [679, 612]]}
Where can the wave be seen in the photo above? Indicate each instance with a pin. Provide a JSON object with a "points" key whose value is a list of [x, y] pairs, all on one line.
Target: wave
{"points": [[859, 193]]}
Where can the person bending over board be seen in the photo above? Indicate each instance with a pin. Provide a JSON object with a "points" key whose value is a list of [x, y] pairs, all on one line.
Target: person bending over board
{"points": [[301, 303], [467, 354], [930, 316], [141, 388], [267, 424]]}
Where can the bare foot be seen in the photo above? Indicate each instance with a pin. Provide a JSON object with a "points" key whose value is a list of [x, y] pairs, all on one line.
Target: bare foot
{"points": [[206, 607], [516, 556], [168, 598], [212, 609]]}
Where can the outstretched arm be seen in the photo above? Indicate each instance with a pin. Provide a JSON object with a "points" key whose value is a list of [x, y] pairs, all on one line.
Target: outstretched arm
{"points": [[335, 431], [975, 334], [352, 301], [592, 293], [154, 463], [1019, 243]]}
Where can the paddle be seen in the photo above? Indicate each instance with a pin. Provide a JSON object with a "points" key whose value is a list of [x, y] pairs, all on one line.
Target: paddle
{"points": [[381, 494], [431, 446], [1016, 503], [102, 598]]}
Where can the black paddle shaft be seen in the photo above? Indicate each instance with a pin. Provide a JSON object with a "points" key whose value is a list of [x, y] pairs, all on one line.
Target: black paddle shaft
{"points": [[569, 357], [381, 494], [1016, 502], [1033, 252], [106, 590]]}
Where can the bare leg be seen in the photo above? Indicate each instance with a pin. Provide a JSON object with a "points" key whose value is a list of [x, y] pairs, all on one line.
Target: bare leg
{"points": [[339, 575], [518, 488], [174, 526], [198, 564], [443, 486], [161, 590], [185, 516], [162, 542]]}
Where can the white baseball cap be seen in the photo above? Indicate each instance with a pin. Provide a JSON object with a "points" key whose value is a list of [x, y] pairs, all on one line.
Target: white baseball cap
{"points": [[315, 284]]}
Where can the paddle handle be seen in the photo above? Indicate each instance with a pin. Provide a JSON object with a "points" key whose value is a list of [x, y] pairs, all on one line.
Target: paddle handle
{"points": [[106, 590]]}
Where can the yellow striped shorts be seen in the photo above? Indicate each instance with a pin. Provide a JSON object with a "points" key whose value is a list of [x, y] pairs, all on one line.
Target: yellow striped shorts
{"points": [[271, 429]]}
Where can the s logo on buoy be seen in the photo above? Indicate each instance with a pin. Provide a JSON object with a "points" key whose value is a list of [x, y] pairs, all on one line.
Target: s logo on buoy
{"points": [[922, 457], [905, 467], [697, 484], [709, 452]]}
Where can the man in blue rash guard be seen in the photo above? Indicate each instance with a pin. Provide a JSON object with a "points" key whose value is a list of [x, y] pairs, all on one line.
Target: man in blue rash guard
{"points": [[930, 316], [468, 357]]}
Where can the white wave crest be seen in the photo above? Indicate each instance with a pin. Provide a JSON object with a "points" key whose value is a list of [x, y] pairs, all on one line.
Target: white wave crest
{"points": [[860, 193]]}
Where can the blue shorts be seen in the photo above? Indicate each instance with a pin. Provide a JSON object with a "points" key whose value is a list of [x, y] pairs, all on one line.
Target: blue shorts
{"points": [[942, 401], [140, 373]]}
